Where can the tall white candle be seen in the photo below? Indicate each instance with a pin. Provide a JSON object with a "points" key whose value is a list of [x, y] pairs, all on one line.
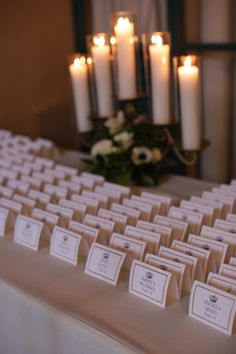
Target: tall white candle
{"points": [[124, 31], [100, 55], [190, 105], [79, 79], [160, 80]]}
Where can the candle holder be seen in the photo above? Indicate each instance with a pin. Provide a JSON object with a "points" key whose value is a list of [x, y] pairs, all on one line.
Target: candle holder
{"points": [[100, 71], [79, 74], [158, 75], [188, 83], [124, 47]]}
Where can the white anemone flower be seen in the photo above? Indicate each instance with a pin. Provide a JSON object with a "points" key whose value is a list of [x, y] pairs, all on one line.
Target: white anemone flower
{"points": [[103, 147], [125, 139], [115, 123], [156, 155], [141, 155]]}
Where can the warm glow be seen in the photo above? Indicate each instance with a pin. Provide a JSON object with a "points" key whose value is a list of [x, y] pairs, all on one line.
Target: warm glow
{"points": [[89, 61], [122, 23], [79, 61], [99, 41], [113, 40], [187, 62], [156, 39]]}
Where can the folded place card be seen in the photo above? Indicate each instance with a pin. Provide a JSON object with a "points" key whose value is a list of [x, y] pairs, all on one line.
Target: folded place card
{"points": [[36, 183], [29, 232], [15, 207], [70, 171], [101, 198], [179, 228], [192, 263], [164, 231], [156, 205], [133, 248], [106, 227], [57, 174], [55, 191], [66, 214], [217, 197], [7, 221], [41, 198], [226, 193], [90, 233], [220, 235], [71, 186], [23, 170], [68, 245], [222, 282], [217, 206], [226, 197], [92, 205], [119, 219], [125, 191], [133, 214], [98, 179], [104, 263], [232, 261], [152, 239], [191, 217], [202, 254], [227, 270], [28, 203], [219, 250], [212, 306], [46, 178], [78, 208], [145, 209], [165, 201], [48, 163], [18, 186], [33, 166], [179, 271], [231, 218], [4, 172], [228, 187], [6, 192], [208, 212], [49, 219], [84, 182], [113, 195], [151, 283], [4, 162], [225, 225]]}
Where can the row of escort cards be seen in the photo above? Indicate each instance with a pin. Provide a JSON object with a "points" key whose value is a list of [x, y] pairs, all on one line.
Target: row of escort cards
{"points": [[167, 250]]}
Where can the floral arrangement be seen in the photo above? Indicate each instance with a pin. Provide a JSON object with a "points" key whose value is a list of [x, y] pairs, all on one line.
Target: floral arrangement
{"points": [[131, 150]]}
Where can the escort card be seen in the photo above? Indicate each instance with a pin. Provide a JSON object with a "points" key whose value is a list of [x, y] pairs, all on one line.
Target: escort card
{"points": [[222, 282], [218, 197], [102, 199], [66, 214], [232, 261], [68, 245], [106, 227], [227, 187], [33, 166], [145, 209], [192, 263], [152, 239], [219, 235], [55, 191], [156, 205], [179, 271], [48, 163], [192, 218], [49, 219], [133, 215], [28, 203], [41, 198], [70, 171], [217, 206], [225, 225], [214, 307], [226, 193], [208, 212], [119, 219], [125, 191], [98, 179], [104, 263], [6, 222], [85, 182], [4, 172], [46, 178], [151, 283], [79, 209], [164, 231], [133, 248], [231, 218], [92, 205], [15, 207], [228, 270], [202, 254], [57, 174], [165, 201], [28, 232], [33, 181], [4, 162], [218, 249], [113, 195], [23, 170], [179, 228], [6, 192], [18, 186], [73, 187], [90, 233]]}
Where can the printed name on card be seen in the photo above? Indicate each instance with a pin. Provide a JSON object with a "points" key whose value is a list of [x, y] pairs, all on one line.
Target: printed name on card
{"points": [[164, 231], [68, 245], [49, 219], [106, 227], [212, 306], [219, 235], [228, 270], [208, 212], [222, 282], [145, 209], [226, 193], [66, 214], [165, 201], [29, 232], [232, 261], [133, 215], [119, 219], [101, 198], [192, 263], [225, 225], [7, 221], [90, 233], [231, 218], [228, 203], [179, 228], [179, 271], [152, 239], [217, 206], [78, 208], [92, 205], [191, 217], [151, 283], [156, 205], [104, 263]]}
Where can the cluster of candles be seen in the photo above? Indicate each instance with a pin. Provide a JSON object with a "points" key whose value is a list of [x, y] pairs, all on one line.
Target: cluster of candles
{"points": [[112, 65]]}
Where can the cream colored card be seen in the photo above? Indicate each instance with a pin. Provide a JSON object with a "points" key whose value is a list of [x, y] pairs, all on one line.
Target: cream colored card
{"points": [[57, 174], [156, 205], [28, 203], [151, 283], [6, 163], [104, 263], [36, 167], [91, 234], [33, 181], [164, 231], [217, 206], [191, 262], [191, 217], [133, 248], [41, 198], [220, 235], [212, 306], [225, 192], [179, 228], [49, 219], [225, 225], [18, 186], [85, 182], [119, 219], [55, 191], [48, 163], [219, 250], [106, 227], [165, 201], [23, 170], [113, 195], [46, 178], [217, 197], [208, 212], [222, 282], [28, 232], [15, 207], [6, 192], [228, 187], [102, 199], [71, 186], [228, 270], [179, 271], [152, 239], [98, 179], [145, 209], [231, 218], [70, 171], [66, 214], [92, 205], [226, 197], [133, 214], [78, 208], [7, 221], [232, 261], [202, 254], [7, 173], [125, 191], [68, 245]]}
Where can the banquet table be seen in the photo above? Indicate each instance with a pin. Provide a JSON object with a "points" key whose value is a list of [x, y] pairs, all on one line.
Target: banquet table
{"points": [[49, 306]]}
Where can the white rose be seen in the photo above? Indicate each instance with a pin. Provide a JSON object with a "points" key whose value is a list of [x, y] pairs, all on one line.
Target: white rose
{"points": [[115, 123], [103, 147], [141, 155], [125, 139]]}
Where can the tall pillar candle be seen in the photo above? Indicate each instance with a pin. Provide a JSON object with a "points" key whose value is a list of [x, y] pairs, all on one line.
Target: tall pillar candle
{"points": [[126, 66], [160, 80], [189, 84], [101, 60], [79, 79]]}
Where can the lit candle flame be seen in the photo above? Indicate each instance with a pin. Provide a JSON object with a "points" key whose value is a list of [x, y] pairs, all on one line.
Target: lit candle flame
{"points": [[123, 22], [99, 41], [187, 62], [113, 40], [79, 61], [89, 61], [156, 39]]}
